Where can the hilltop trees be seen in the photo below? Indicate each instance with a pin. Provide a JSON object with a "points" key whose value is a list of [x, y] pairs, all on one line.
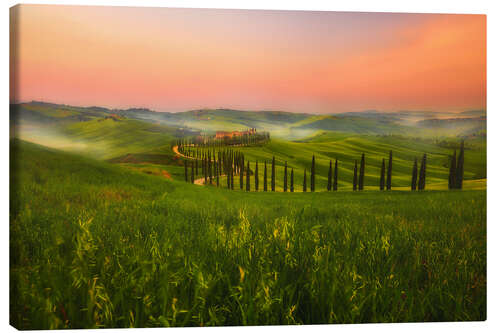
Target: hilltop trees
{"points": [[284, 179], [273, 176], [265, 176], [382, 175], [313, 174], [335, 176], [355, 178], [421, 179], [361, 172], [414, 175], [329, 184], [389, 172]]}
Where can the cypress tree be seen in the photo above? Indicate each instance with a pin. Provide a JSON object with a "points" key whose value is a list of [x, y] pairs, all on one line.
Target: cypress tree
{"points": [[291, 181], [452, 177], [196, 166], [228, 175], [192, 172], [217, 176], [329, 184], [355, 178], [210, 171], [460, 167], [284, 178], [382, 175], [361, 173], [185, 171], [256, 176], [389, 172], [232, 177], [205, 169], [414, 175], [304, 184], [313, 174], [248, 176], [273, 176], [265, 176], [242, 170], [421, 179], [335, 176]]}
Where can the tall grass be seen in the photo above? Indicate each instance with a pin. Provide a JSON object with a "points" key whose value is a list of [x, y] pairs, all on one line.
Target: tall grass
{"points": [[98, 245]]}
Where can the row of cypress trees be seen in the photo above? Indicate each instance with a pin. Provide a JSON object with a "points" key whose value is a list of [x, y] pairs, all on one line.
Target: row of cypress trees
{"points": [[230, 162]]}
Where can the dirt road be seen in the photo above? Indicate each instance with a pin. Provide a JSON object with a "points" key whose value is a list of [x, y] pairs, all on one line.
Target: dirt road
{"points": [[199, 181]]}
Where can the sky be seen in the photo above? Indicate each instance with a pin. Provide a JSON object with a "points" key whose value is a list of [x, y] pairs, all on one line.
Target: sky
{"points": [[172, 59]]}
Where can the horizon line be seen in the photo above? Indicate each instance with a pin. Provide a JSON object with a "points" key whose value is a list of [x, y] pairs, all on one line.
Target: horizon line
{"points": [[244, 110]]}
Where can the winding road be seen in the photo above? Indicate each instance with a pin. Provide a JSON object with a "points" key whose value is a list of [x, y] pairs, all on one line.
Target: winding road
{"points": [[199, 181]]}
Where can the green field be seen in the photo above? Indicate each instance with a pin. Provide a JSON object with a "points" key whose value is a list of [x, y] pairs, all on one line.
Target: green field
{"points": [[104, 232]]}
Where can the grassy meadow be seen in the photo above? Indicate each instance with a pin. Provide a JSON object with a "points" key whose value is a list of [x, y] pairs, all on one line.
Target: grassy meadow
{"points": [[105, 232]]}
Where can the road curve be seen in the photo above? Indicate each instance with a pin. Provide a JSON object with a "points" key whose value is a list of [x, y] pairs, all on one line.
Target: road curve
{"points": [[199, 181]]}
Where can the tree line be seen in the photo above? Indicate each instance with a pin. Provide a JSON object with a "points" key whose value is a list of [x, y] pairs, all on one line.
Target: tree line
{"points": [[230, 163], [186, 145]]}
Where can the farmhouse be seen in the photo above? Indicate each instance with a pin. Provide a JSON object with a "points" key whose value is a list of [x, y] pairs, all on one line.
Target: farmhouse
{"points": [[224, 134]]}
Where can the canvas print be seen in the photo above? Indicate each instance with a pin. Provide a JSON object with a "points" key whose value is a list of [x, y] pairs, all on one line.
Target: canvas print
{"points": [[219, 167]]}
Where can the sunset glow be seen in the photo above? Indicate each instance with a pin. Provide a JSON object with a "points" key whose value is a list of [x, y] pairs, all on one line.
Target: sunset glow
{"points": [[181, 59]]}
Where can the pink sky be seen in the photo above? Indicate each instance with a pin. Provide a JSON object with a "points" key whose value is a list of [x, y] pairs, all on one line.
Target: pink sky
{"points": [[181, 59]]}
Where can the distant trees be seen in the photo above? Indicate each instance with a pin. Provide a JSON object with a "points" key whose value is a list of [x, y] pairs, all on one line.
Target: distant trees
{"points": [[421, 179], [329, 183], [382, 175], [355, 177], [414, 175], [256, 176], [231, 163], [313, 174], [304, 183], [273, 176], [285, 178], [361, 173], [335, 176], [265, 176], [389, 172]]}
